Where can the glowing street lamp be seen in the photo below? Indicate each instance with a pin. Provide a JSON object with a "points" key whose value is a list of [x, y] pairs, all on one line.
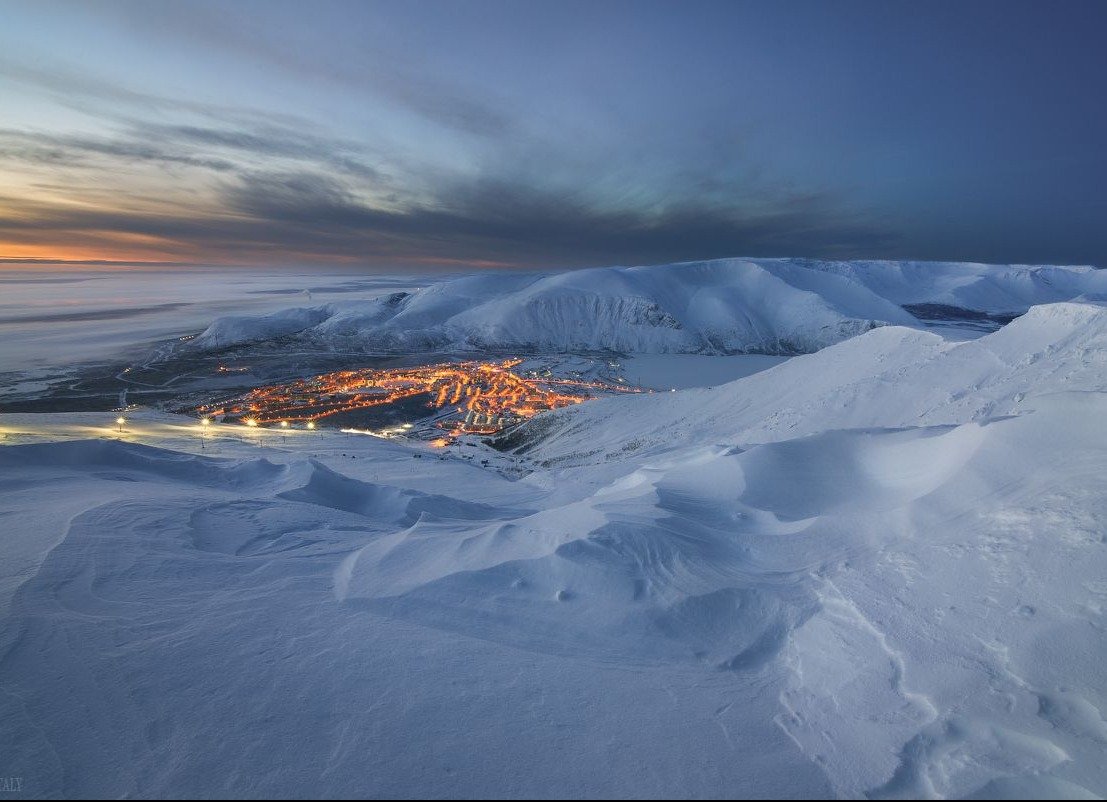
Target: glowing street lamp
{"points": [[204, 423], [120, 420]]}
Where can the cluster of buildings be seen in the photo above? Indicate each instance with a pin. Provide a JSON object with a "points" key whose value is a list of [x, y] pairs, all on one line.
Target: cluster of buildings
{"points": [[477, 397]]}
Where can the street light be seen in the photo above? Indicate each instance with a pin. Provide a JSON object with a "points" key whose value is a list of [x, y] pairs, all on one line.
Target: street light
{"points": [[120, 420], [204, 423]]}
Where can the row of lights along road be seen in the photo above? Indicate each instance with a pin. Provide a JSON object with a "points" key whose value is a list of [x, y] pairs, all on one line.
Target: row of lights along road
{"points": [[206, 422]]}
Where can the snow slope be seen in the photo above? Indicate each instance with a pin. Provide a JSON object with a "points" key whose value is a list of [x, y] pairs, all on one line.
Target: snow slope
{"points": [[176, 605], [889, 377], [724, 306], [872, 571]]}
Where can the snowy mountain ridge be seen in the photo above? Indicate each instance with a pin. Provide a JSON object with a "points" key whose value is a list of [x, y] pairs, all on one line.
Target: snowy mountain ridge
{"points": [[725, 306], [996, 289]]}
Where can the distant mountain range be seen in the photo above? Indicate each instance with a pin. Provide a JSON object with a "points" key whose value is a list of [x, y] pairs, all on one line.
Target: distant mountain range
{"points": [[725, 306]]}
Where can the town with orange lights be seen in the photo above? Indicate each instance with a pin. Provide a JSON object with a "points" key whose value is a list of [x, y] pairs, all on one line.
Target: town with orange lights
{"points": [[457, 398]]}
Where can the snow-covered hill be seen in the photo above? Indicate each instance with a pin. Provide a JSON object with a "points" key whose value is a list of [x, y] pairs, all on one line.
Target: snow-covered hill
{"points": [[995, 289], [724, 306], [771, 306], [889, 377]]}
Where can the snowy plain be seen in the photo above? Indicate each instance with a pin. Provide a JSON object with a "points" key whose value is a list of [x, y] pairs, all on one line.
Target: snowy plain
{"points": [[55, 318], [878, 569]]}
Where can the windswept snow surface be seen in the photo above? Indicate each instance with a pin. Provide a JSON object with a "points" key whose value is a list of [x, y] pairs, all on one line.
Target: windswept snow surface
{"points": [[723, 307], [879, 570]]}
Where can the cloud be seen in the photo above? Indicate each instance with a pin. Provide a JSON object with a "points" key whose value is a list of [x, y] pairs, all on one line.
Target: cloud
{"points": [[311, 215], [210, 148], [517, 222], [67, 150], [375, 69], [101, 99], [267, 141], [257, 186]]}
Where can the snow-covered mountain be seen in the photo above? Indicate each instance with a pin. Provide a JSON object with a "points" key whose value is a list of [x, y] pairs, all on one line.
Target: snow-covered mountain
{"points": [[771, 306], [724, 306], [995, 289]]}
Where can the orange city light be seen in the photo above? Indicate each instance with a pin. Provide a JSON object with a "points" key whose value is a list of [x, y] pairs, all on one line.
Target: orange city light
{"points": [[488, 395]]}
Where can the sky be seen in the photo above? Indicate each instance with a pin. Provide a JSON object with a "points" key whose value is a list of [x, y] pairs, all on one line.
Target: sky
{"points": [[450, 135]]}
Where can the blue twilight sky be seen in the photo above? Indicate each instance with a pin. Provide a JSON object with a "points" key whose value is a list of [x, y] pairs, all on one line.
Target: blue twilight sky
{"points": [[552, 133]]}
